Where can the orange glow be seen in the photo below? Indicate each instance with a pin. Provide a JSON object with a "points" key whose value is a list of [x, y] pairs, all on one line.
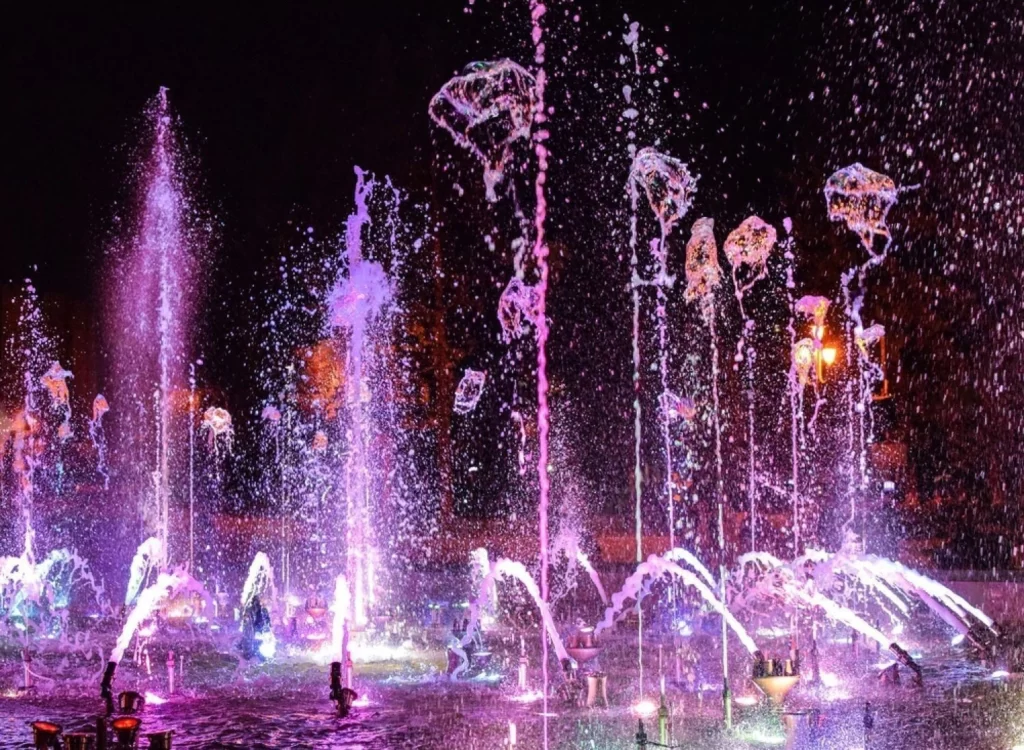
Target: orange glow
{"points": [[828, 355]]}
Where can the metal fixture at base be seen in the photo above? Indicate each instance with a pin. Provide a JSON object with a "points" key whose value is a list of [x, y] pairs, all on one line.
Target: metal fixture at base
{"points": [[160, 740], [45, 734], [78, 741]]}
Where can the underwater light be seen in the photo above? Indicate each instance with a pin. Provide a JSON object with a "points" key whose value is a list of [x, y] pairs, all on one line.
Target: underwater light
{"points": [[268, 644], [44, 734], [829, 680], [957, 639], [126, 728], [154, 699], [761, 737], [1000, 674], [746, 700], [645, 708], [531, 697]]}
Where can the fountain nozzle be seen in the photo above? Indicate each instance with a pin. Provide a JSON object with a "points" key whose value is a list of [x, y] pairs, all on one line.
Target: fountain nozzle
{"points": [[907, 661], [106, 691], [343, 696], [335, 680], [45, 734]]}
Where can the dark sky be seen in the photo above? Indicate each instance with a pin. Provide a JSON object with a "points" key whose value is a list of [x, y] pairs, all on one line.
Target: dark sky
{"points": [[277, 104], [279, 101]]}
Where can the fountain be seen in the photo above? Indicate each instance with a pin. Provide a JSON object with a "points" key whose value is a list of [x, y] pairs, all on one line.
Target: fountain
{"points": [[369, 423]]}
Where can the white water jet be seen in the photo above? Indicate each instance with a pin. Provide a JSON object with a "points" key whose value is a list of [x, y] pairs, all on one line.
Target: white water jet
{"points": [[505, 568], [339, 626], [259, 580], [148, 556], [28, 583], [656, 567], [921, 584], [678, 553], [585, 563], [166, 587]]}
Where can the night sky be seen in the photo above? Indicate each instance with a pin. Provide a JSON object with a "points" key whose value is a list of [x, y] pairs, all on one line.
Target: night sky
{"points": [[278, 103]]}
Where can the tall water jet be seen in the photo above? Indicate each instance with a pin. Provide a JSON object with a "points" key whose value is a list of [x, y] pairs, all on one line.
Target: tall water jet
{"points": [[357, 302], [154, 298], [747, 248], [540, 254], [861, 198], [31, 350], [670, 190], [149, 556], [703, 275]]}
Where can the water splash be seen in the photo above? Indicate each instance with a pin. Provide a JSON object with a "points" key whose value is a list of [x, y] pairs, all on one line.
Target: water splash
{"points": [[703, 274], [675, 407], [540, 255], [149, 556], [861, 198], [359, 301], [518, 305], [259, 580], [670, 189], [98, 438], [667, 183], [363, 294], [678, 553], [154, 297], [486, 109], [470, 389], [814, 308], [747, 248], [656, 567], [217, 422], [585, 563], [166, 587], [33, 590], [505, 568], [55, 381]]}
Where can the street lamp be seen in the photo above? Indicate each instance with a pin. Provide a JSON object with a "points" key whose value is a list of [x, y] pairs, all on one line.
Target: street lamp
{"points": [[824, 356]]}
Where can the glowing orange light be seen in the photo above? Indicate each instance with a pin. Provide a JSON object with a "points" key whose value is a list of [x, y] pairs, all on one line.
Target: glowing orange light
{"points": [[828, 355]]}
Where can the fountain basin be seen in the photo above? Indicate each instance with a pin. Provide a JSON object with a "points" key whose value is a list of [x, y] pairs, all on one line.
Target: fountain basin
{"points": [[583, 655], [776, 688], [79, 741]]}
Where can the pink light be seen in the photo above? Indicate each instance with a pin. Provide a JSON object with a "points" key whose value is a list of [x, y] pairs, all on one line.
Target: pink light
{"points": [[645, 708], [153, 699], [531, 697], [746, 700], [361, 702]]}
